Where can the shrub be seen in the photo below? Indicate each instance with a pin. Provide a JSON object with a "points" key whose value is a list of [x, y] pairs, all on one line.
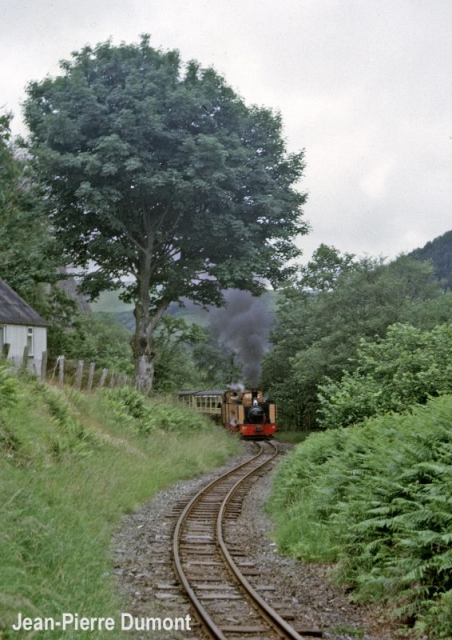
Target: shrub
{"points": [[408, 366], [145, 415]]}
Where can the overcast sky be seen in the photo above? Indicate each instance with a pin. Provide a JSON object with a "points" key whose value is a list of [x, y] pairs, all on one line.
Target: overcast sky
{"points": [[364, 86]]}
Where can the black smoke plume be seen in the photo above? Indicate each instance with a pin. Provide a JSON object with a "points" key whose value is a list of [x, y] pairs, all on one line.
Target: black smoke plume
{"points": [[243, 326]]}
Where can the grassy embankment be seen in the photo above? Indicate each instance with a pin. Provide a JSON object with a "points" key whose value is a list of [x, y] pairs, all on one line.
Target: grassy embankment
{"points": [[71, 464], [376, 499]]}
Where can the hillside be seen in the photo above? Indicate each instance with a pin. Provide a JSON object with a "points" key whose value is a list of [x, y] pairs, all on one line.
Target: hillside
{"points": [[439, 253], [109, 302]]}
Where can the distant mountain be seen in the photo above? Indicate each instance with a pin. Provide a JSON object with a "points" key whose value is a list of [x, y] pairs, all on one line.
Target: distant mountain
{"points": [[110, 303], [439, 253]]}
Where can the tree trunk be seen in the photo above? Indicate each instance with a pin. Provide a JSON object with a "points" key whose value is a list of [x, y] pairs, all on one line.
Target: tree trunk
{"points": [[143, 343], [145, 323], [144, 373]]}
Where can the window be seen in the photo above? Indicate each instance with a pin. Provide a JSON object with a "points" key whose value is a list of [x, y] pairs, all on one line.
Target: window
{"points": [[207, 403], [30, 341], [2, 338]]}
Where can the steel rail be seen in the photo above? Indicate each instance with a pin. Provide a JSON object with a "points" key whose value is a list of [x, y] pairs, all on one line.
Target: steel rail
{"points": [[272, 617], [202, 614]]}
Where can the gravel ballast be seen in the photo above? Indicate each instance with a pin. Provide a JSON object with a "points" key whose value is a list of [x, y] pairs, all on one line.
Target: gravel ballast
{"points": [[142, 565]]}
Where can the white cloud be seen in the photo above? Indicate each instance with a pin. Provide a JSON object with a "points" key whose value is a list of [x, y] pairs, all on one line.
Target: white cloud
{"points": [[374, 182], [364, 87]]}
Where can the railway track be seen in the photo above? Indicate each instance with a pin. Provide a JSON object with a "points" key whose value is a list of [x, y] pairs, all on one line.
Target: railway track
{"points": [[214, 574]]}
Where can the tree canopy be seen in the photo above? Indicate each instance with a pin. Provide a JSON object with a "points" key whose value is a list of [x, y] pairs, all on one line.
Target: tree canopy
{"points": [[24, 241], [407, 367], [160, 173], [321, 321], [29, 254]]}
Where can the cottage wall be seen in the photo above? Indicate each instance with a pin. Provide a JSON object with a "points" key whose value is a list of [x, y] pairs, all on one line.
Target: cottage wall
{"points": [[21, 326], [18, 336]]}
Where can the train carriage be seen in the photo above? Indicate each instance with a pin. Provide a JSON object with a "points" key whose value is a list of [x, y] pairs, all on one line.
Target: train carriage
{"points": [[207, 402], [241, 411]]}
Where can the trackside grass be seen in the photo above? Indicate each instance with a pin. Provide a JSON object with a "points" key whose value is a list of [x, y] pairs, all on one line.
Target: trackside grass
{"points": [[376, 498], [71, 465]]}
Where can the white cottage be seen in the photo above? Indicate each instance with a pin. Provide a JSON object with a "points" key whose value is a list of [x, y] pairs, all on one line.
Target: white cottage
{"points": [[20, 327]]}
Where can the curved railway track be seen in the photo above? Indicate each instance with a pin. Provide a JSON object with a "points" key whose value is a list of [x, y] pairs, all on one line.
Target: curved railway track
{"points": [[212, 573]]}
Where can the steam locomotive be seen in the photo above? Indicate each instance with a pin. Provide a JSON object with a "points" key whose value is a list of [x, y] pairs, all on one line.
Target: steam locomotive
{"points": [[243, 411]]}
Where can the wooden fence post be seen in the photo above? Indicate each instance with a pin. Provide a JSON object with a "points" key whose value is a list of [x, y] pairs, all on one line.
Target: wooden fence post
{"points": [[116, 379], [61, 369], [44, 365], [23, 366], [103, 378], [91, 376], [78, 379]]}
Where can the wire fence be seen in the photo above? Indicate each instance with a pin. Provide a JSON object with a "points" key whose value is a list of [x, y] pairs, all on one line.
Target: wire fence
{"points": [[65, 371]]}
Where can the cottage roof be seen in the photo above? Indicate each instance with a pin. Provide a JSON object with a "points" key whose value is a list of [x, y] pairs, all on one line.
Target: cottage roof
{"points": [[14, 310]]}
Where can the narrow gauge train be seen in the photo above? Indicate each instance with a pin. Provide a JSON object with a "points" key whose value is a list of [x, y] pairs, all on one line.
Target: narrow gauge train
{"points": [[246, 412]]}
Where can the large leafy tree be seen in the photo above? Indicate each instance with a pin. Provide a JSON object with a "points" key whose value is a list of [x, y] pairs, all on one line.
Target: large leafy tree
{"points": [[160, 173], [338, 302], [29, 254], [24, 241]]}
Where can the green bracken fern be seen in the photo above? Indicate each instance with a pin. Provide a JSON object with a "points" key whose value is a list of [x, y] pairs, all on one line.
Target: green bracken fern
{"points": [[380, 494]]}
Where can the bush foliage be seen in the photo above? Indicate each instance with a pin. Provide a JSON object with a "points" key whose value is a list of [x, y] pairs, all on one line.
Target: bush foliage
{"points": [[147, 416], [378, 500], [406, 367]]}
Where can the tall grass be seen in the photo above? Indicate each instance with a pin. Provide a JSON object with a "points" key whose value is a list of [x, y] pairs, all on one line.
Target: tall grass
{"points": [[377, 498], [71, 465]]}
